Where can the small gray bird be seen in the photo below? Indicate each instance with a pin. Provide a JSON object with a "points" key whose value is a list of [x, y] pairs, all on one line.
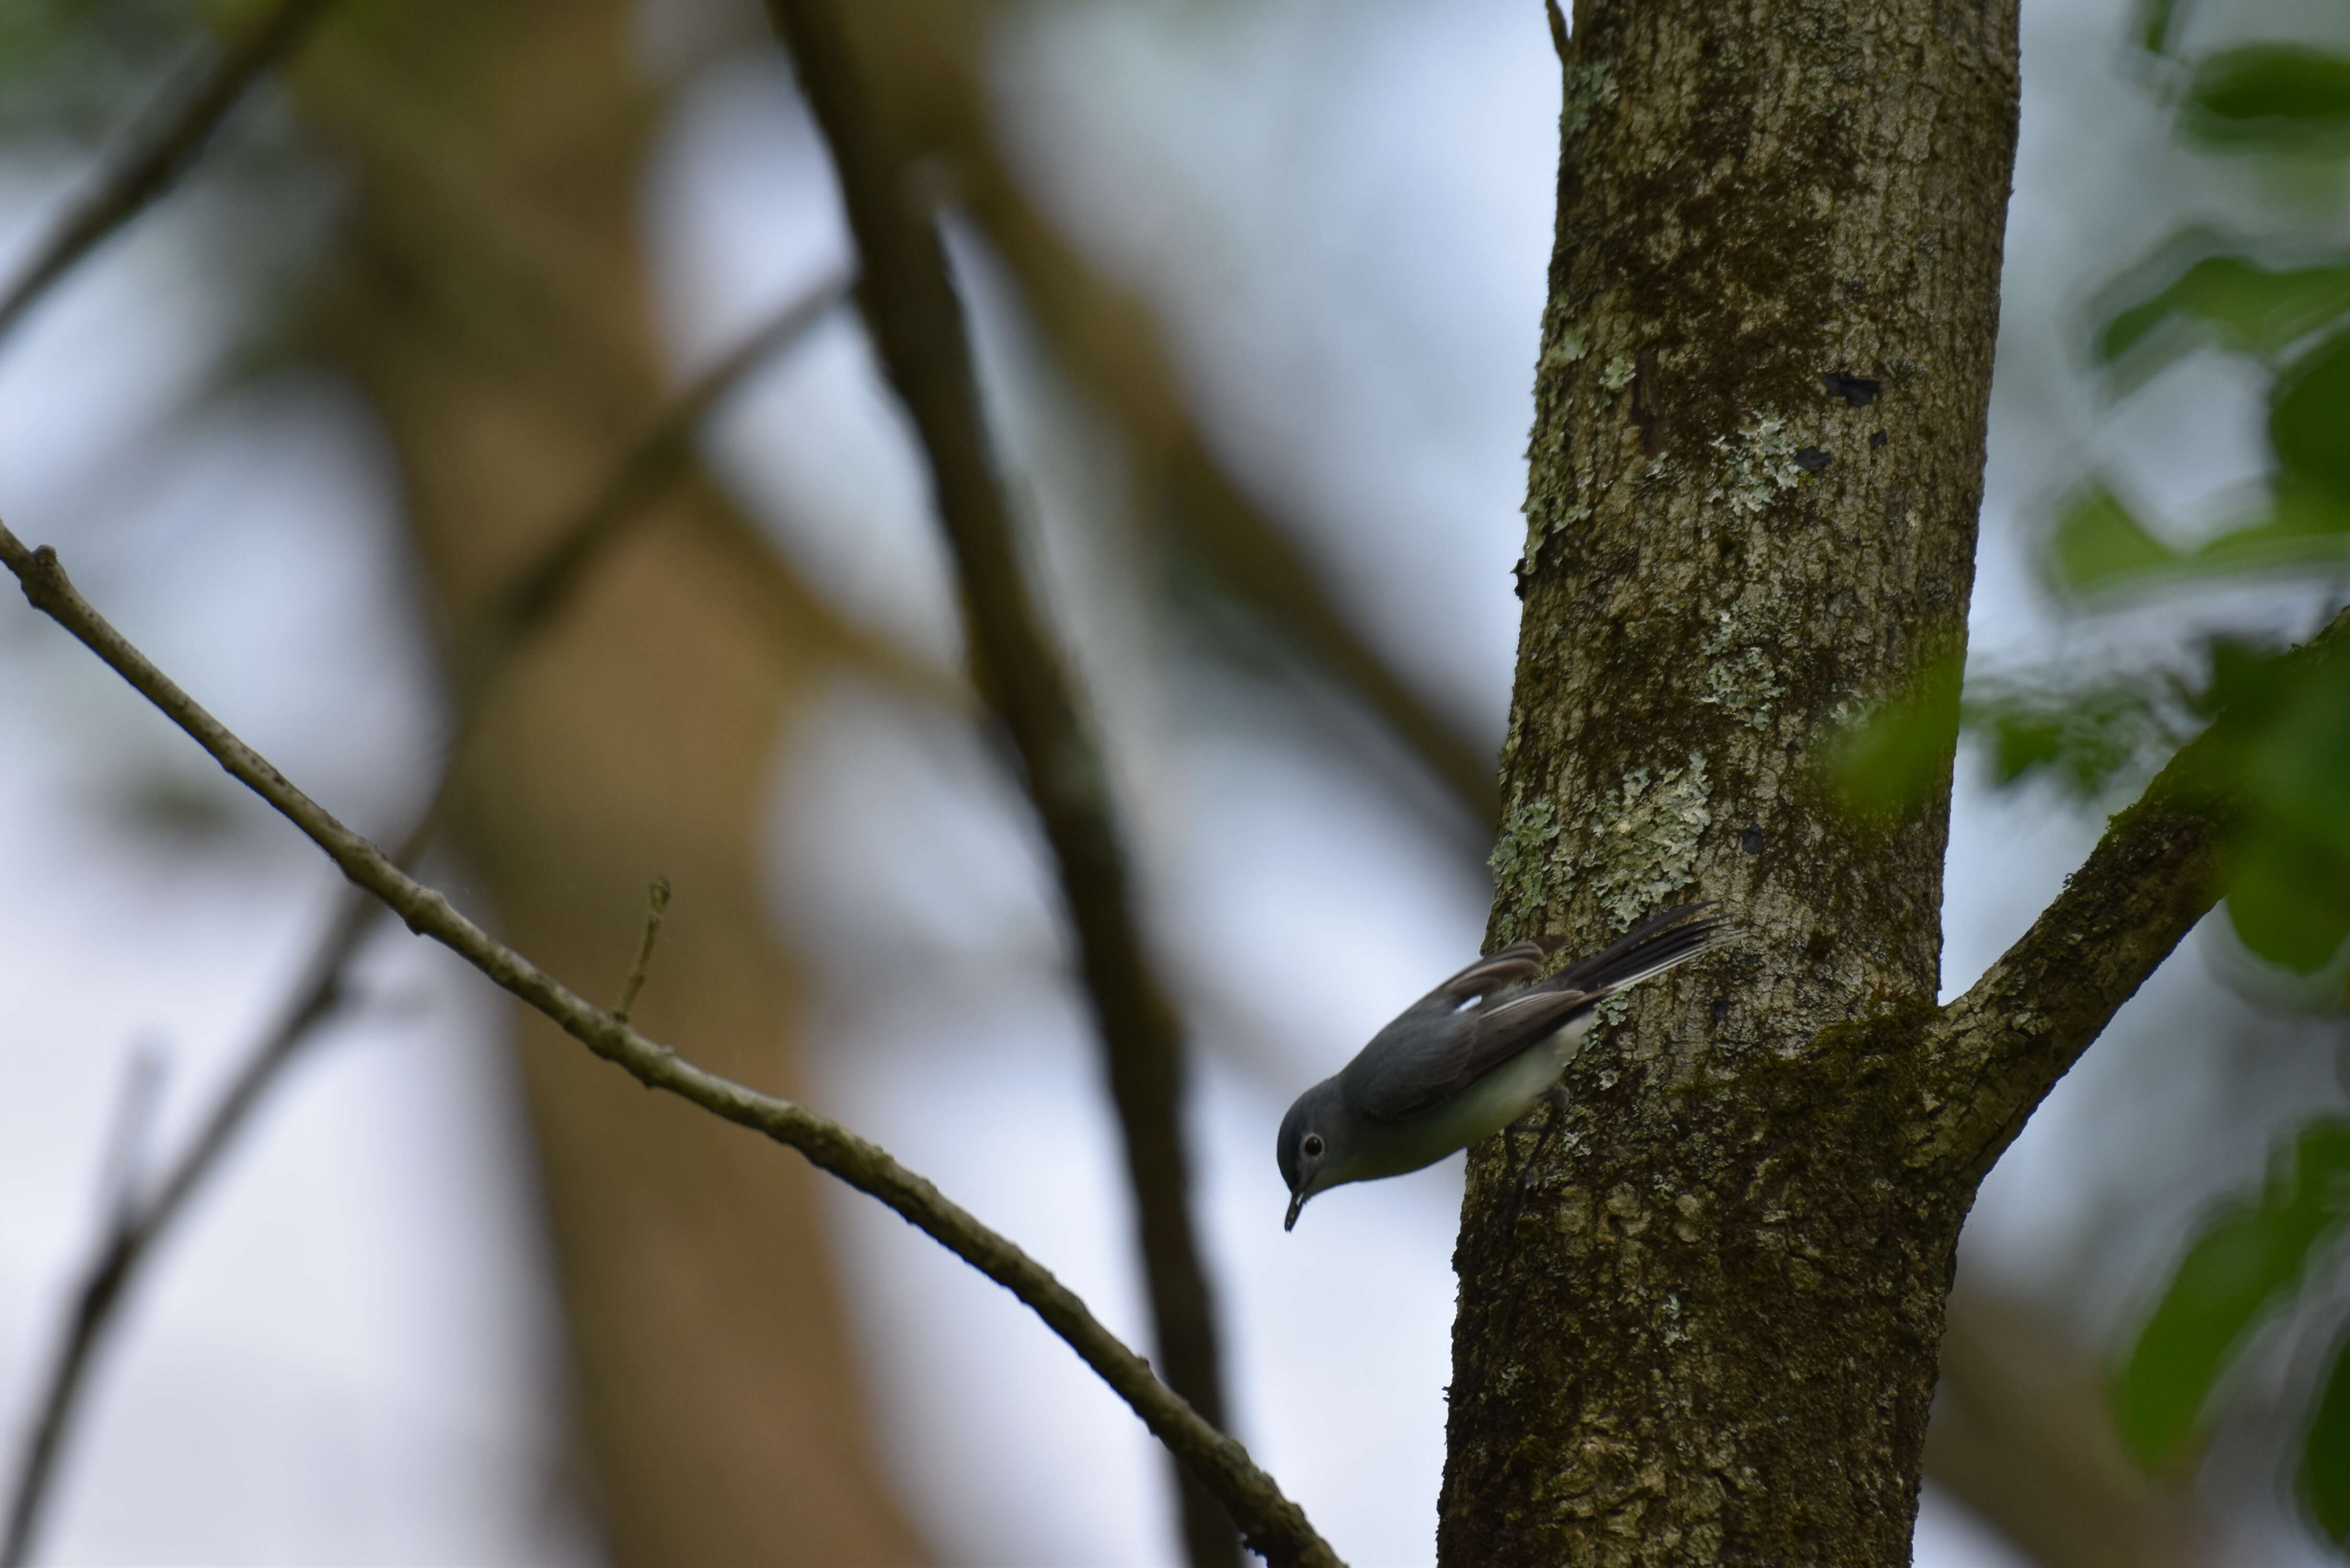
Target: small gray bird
{"points": [[1469, 1058]]}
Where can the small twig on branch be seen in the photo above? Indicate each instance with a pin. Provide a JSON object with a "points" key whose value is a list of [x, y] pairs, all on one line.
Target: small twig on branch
{"points": [[1273, 1524], [539, 593], [917, 320], [167, 140], [656, 911]]}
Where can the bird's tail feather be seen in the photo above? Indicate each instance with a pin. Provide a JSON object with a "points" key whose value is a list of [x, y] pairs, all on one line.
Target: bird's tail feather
{"points": [[1673, 937]]}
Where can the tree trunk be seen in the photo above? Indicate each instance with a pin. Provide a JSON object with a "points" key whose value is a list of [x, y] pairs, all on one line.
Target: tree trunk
{"points": [[1703, 1326], [495, 305]]}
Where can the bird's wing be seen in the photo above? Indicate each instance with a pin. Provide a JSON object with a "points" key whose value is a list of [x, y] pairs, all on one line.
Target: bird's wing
{"points": [[1517, 962], [1413, 1061], [1439, 1047], [1419, 1061]]}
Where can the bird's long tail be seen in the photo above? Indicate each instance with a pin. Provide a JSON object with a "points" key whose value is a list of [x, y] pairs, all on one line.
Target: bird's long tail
{"points": [[1674, 937]]}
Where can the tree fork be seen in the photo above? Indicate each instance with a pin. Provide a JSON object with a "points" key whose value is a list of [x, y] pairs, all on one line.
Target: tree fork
{"points": [[1708, 1333]]}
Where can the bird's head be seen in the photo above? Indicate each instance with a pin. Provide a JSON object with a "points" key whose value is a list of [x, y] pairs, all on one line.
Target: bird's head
{"points": [[1304, 1149]]}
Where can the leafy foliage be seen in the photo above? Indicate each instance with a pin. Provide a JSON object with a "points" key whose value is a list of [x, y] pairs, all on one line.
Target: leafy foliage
{"points": [[2309, 424], [2204, 286], [1890, 759], [2270, 99], [2246, 1264], [2278, 747], [2088, 739], [2324, 1476]]}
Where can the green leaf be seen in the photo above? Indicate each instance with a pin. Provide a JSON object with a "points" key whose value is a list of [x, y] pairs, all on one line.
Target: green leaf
{"points": [[2084, 739], [2249, 1260], [2302, 529], [2289, 898], [1895, 757], [2098, 548], [2270, 98], [2183, 296], [2298, 769], [2098, 544], [2156, 21], [2309, 420], [2289, 762], [2323, 1480]]}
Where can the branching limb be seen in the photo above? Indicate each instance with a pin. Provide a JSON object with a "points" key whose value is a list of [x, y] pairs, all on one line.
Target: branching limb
{"points": [[161, 150], [918, 326], [1273, 1524], [1995, 1053], [538, 594]]}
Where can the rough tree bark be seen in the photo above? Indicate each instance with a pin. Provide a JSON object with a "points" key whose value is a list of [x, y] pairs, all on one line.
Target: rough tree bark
{"points": [[1704, 1328]]}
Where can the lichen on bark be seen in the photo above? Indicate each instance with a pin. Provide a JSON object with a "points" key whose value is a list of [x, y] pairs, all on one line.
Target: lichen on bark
{"points": [[1641, 844]]}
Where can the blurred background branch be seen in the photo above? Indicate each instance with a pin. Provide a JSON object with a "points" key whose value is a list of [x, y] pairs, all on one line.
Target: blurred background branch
{"points": [[2021, 1435], [918, 326], [169, 138]]}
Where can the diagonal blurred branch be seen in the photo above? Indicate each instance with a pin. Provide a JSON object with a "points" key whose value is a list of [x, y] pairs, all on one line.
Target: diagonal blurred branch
{"points": [[2023, 1434], [1115, 343], [918, 326], [647, 468], [106, 1277], [1275, 1526], [166, 141], [535, 597]]}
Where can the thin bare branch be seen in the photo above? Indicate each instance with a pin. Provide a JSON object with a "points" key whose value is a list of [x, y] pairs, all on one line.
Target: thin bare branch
{"points": [[1995, 1052], [917, 320], [167, 140], [1274, 1525], [536, 597]]}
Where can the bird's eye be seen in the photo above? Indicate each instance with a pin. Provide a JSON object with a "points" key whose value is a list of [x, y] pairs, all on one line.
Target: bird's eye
{"points": [[1312, 1146]]}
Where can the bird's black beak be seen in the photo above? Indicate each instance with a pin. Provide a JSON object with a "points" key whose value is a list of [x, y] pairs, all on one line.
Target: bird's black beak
{"points": [[1297, 1202]]}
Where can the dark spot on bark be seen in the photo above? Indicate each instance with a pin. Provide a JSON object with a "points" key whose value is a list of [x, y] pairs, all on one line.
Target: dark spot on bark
{"points": [[1856, 391], [1518, 579], [1720, 1011], [1646, 412], [1875, 440], [1751, 841], [1811, 460], [1791, 751], [1818, 945]]}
